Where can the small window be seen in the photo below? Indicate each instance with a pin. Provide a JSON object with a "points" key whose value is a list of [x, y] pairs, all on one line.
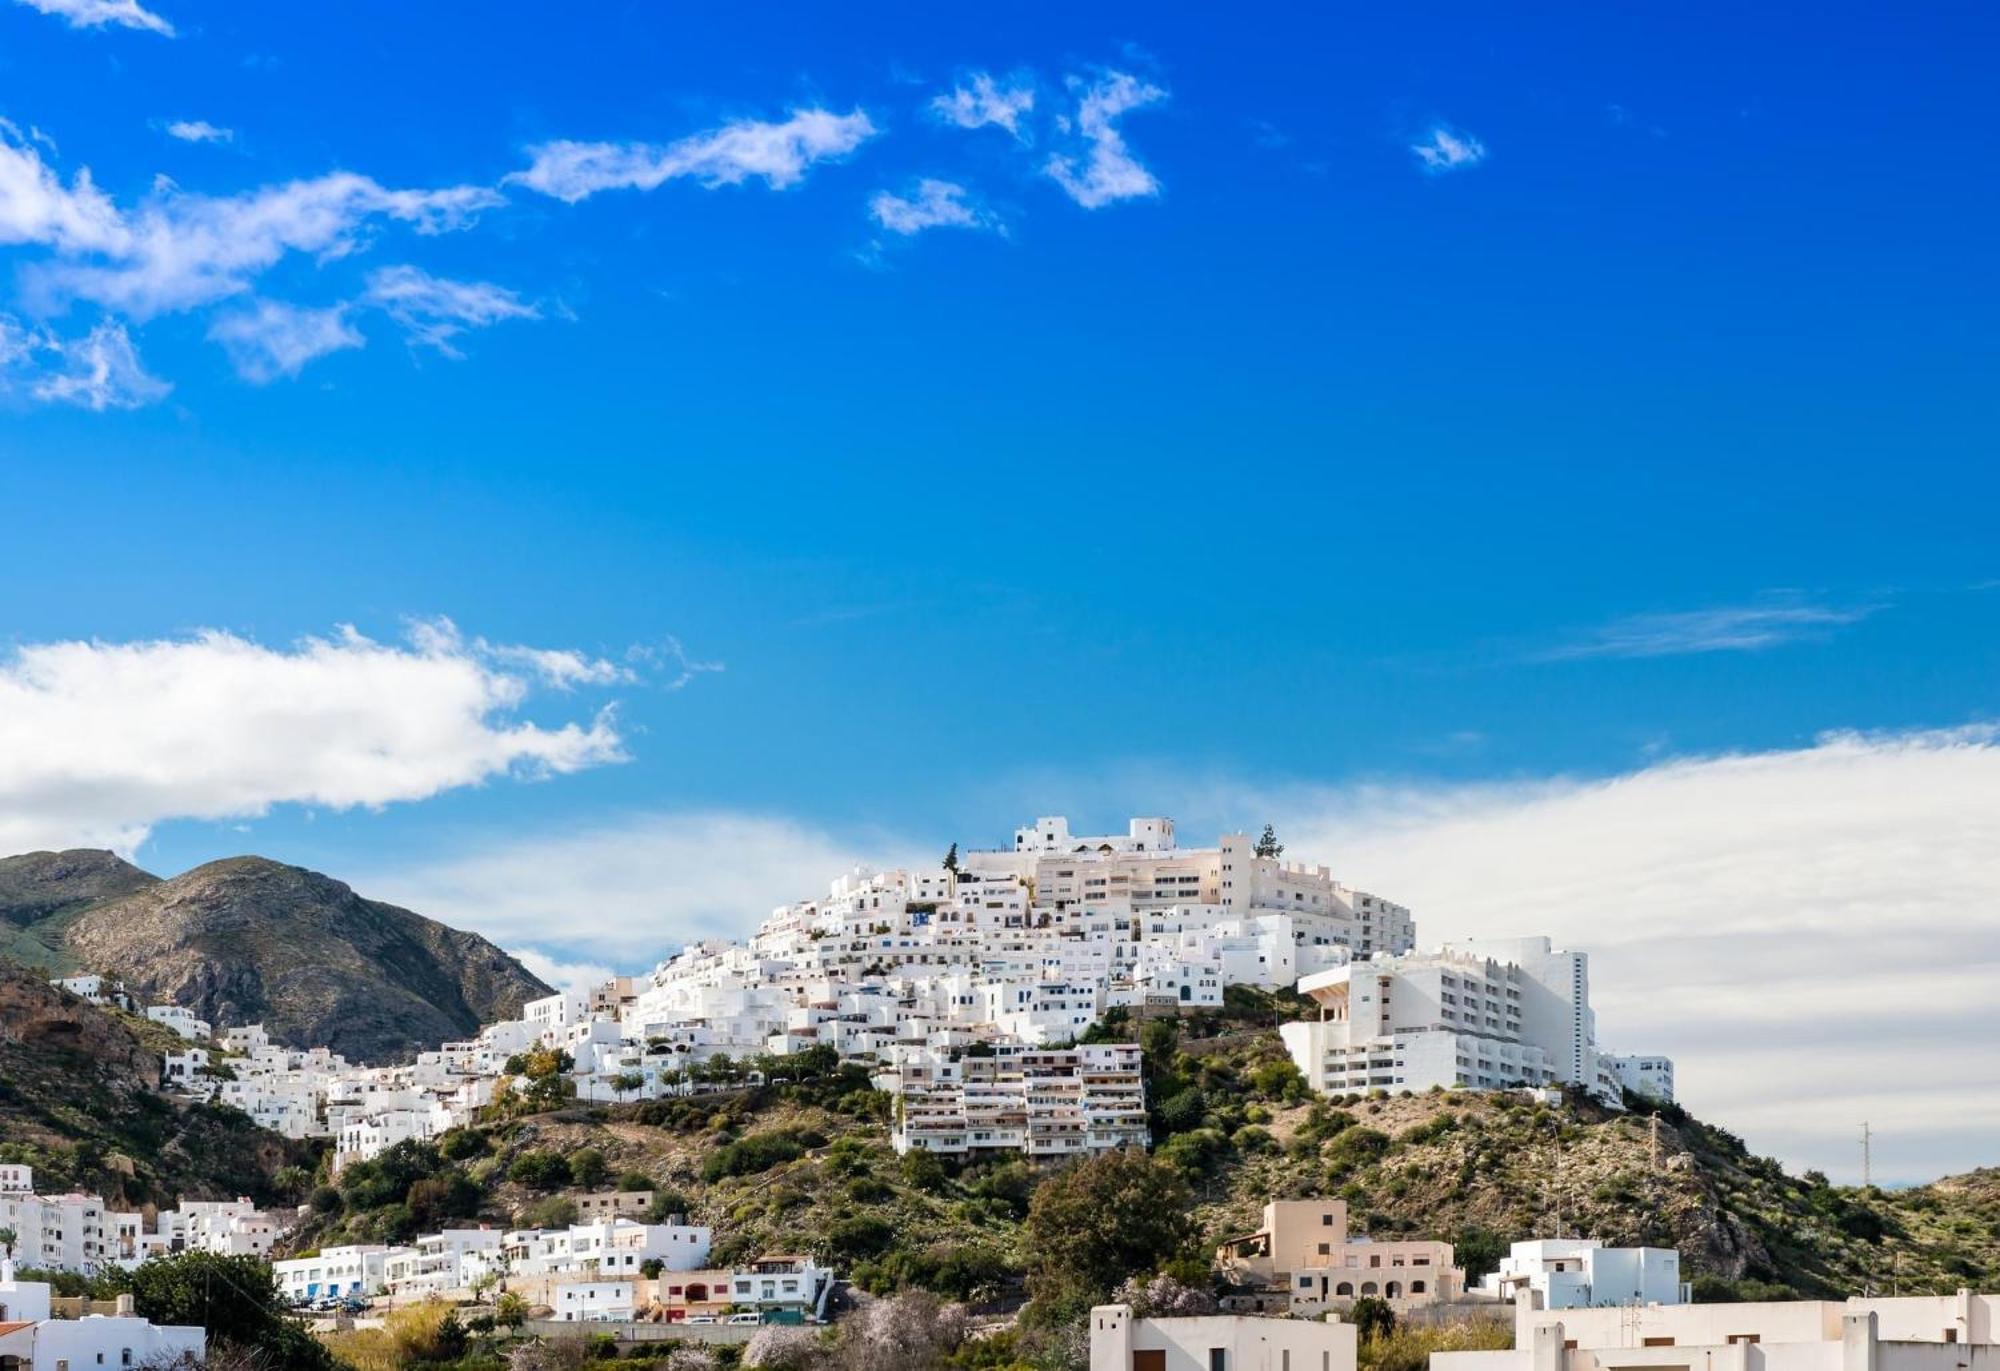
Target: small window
{"points": [[1218, 1359], [1657, 1342]]}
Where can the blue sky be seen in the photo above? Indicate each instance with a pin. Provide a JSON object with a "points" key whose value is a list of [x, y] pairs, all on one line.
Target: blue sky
{"points": [[1297, 407]]}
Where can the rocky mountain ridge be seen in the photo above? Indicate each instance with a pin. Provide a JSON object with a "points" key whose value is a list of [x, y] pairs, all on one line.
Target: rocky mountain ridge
{"points": [[249, 940]]}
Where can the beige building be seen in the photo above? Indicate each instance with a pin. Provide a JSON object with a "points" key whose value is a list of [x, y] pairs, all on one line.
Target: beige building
{"points": [[600, 1205], [1920, 1333], [1302, 1260]]}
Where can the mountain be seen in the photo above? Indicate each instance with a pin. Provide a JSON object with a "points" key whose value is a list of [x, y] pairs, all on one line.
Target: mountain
{"points": [[39, 890], [79, 1102], [249, 940]]}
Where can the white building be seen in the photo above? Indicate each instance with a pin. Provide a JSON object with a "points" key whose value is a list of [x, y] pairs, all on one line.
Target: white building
{"points": [[32, 1341], [1480, 1014], [1650, 1075], [1918, 1333], [181, 1021], [1578, 1273], [1050, 1102], [1216, 1342], [333, 1273]]}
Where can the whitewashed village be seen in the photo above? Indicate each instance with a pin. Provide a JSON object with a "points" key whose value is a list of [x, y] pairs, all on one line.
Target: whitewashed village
{"points": [[972, 996]]}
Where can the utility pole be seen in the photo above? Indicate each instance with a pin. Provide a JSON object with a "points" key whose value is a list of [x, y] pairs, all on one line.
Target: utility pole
{"points": [[1867, 1156]]}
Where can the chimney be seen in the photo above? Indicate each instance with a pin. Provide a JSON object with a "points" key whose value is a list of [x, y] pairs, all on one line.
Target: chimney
{"points": [[125, 1308]]}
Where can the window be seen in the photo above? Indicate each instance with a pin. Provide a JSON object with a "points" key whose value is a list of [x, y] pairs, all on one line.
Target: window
{"points": [[1737, 1338], [1218, 1359], [1656, 1342]]}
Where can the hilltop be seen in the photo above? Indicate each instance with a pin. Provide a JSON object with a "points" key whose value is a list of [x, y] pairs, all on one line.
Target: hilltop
{"points": [[248, 940]]}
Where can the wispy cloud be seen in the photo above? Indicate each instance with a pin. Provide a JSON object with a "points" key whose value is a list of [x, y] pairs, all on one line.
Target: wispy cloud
{"points": [[270, 339], [199, 131], [1445, 149], [778, 152], [97, 14], [1107, 171], [1726, 628], [434, 310], [980, 100], [176, 251], [933, 204], [100, 370]]}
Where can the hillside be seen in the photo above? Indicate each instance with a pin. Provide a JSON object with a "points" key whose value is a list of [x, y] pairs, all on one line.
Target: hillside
{"points": [[806, 1166], [78, 1102], [251, 940], [39, 891]]}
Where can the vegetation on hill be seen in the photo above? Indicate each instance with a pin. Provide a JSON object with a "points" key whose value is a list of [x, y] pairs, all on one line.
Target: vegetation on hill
{"points": [[80, 1102]]}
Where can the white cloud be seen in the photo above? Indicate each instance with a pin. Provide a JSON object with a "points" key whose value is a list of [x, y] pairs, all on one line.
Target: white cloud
{"points": [[1726, 628], [434, 310], [633, 890], [272, 339], [199, 131], [1108, 171], [779, 152], [177, 250], [563, 975], [1812, 934], [91, 14], [1446, 149], [98, 371], [105, 740], [934, 204], [985, 101]]}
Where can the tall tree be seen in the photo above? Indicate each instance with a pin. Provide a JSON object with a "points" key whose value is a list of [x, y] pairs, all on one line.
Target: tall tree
{"points": [[951, 859], [1100, 1221], [1268, 845]]}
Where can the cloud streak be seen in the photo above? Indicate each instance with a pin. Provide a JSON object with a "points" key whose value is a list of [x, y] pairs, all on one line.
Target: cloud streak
{"points": [[981, 101], [1445, 149], [97, 14], [270, 339], [105, 740], [933, 204], [433, 310], [777, 152], [1725, 628]]}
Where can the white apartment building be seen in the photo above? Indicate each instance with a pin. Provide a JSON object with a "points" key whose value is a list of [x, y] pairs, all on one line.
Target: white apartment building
{"points": [[1049, 1102], [1217, 1342], [609, 1248], [30, 1340], [1651, 1076], [334, 1272], [1916, 1333], [57, 1232], [1579, 1273], [1479, 1014]]}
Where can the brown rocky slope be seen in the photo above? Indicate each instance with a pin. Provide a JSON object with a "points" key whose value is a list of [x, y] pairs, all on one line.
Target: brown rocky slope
{"points": [[249, 940]]}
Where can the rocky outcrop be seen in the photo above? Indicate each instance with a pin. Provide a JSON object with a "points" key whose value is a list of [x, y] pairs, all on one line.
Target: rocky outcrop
{"points": [[39, 885], [249, 940]]}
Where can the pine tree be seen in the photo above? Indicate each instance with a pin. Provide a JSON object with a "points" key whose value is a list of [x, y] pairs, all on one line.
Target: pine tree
{"points": [[951, 859], [1268, 845]]}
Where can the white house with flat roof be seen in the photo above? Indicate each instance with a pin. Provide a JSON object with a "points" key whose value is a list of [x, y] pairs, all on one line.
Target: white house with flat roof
{"points": [[1216, 1342], [1912, 1333], [1578, 1273]]}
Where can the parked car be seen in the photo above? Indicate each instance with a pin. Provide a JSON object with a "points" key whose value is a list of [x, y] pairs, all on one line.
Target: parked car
{"points": [[746, 1318], [700, 1318]]}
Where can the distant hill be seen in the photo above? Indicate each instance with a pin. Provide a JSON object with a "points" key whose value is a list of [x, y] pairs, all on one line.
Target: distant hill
{"points": [[79, 1102], [249, 940]]}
